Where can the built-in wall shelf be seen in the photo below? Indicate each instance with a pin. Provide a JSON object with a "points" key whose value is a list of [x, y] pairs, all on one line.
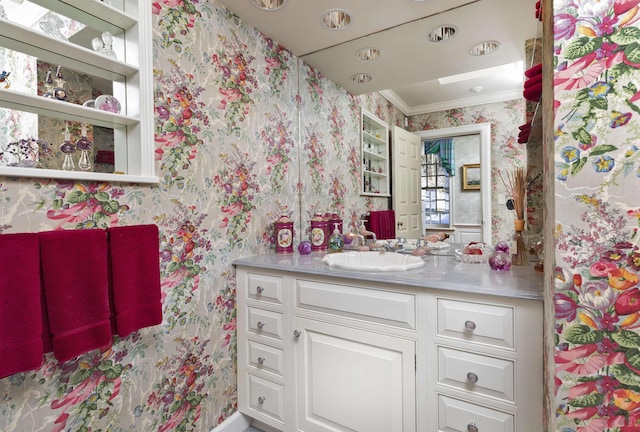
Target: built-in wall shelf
{"points": [[375, 156]]}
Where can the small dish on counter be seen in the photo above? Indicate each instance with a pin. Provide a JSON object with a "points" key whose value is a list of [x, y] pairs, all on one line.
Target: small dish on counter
{"points": [[476, 255]]}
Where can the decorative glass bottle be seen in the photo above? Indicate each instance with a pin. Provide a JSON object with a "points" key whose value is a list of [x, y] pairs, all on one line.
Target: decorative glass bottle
{"points": [[84, 145], [68, 148]]}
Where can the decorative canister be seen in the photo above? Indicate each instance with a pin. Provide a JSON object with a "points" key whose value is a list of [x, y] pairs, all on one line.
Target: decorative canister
{"points": [[332, 220], [319, 237], [283, 228]]}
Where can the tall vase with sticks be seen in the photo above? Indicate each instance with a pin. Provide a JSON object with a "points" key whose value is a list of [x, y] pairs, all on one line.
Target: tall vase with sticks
{"points": [[516, 186]]}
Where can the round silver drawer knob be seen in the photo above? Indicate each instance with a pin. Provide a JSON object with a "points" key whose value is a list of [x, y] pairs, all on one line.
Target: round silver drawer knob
{"points": [[297, 333], [261, 400], [471, 427], [472, 378], [259, 289], [261, 360], [260, 324], [470, 325]]}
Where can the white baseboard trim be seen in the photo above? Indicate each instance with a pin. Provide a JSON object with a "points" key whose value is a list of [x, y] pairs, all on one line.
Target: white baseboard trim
{"points": [[236, 422]]}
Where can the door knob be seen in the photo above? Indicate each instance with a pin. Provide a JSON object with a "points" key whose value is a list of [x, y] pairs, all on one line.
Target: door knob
{"points": [[259, 289], [470, 325], [260, 324], [297, 333], [261, 360]]}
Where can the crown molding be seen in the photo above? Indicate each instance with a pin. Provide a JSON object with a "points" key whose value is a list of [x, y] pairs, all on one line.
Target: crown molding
{"points": [[392, 97]]}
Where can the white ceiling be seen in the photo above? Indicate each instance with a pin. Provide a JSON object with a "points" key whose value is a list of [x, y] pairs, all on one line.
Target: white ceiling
{"points": [[410, 66]]}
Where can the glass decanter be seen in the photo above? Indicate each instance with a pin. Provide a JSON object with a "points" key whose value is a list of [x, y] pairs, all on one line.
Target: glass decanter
{"points": [[68, 148], [84, 145]]}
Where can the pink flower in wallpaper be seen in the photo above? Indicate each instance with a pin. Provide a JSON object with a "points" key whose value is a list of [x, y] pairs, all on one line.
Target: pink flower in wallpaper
{"points": [[183, 244], [180, 122], [597, 317], [177, 400], [235, 79], [277, 136], [598, 64], [87, 388], [178, 19], [238, 186], [316, 154], [276, 58], [91, 205]]}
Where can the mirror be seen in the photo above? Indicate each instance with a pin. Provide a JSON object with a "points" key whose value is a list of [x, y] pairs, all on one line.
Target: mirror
{"points": [[410, 67], [415, 88], [470, 209]]}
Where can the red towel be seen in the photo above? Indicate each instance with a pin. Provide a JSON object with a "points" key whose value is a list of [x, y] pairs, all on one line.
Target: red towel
{"points": [[20, 309], [74, 277], [383, 224], [134, 253], [536, 79], [533, 71], [533, 93]]}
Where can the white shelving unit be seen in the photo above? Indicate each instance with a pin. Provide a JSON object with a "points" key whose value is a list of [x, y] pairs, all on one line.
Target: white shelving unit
{"points": [[375, 156], [131, 77]]}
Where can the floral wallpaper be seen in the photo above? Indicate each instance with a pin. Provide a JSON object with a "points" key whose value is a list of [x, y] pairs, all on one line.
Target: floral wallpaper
{"points": [[597, 308], [231, 158]]}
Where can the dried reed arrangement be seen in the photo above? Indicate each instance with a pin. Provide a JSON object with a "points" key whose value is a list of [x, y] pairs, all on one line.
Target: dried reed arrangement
{"points": [[516, 186]]}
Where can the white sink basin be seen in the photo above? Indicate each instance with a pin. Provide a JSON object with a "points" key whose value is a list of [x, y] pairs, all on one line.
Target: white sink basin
{"points": [[372, 261]]}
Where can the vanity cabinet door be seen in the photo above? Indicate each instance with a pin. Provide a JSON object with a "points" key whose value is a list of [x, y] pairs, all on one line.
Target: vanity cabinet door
{"points": [[353, 380]]}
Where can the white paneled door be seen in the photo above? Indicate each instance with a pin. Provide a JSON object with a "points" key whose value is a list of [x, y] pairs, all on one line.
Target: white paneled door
{"points": [[406, 183]]}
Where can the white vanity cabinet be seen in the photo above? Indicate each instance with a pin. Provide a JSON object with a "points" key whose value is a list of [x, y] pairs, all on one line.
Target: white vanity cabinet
{"points": [[487, 364], [318, 353], [354, 352]]}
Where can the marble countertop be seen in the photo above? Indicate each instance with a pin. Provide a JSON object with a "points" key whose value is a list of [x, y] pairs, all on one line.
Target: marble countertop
{"points": [[442, 270]]}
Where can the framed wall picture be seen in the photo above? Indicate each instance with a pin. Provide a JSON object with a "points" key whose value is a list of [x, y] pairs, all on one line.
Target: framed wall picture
{"points": [[471, 177]]}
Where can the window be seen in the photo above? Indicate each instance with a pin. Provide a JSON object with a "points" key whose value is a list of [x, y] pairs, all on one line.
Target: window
{"points": [[77, 102], [436, 194]]}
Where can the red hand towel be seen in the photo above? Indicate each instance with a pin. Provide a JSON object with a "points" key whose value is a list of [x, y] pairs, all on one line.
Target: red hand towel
{"points": [[533, 71], [533, 93], [74, 276], [383, 223], [536, 79], [134, 253], [20, 309]]}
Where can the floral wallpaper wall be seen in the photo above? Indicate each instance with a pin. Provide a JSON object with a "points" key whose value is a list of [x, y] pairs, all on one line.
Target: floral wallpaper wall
{"points": [[231, 157], [506, 152], [597, 124]]}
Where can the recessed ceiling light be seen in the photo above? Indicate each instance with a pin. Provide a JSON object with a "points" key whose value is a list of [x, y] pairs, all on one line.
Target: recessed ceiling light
{"points": [[268, 5], [484, 48], [361, 78], [442, 33], [476, 89], [336, 19], [369, 54]]}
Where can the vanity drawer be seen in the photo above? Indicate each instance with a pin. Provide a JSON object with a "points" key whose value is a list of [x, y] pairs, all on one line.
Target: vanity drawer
{"points": [[476, 322], [265, 323], [264, 288], [265, 357], [265, 397], [458, 416], [392, 308], [476, 373]]}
